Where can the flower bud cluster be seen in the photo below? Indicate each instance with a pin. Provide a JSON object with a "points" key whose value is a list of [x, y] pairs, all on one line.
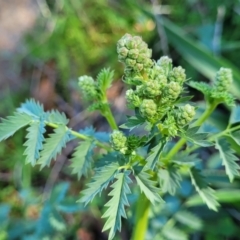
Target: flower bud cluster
{"points": [[88, 87], [185, 114], [118, 141], [134, 53], [157, 86], [223, 80]]}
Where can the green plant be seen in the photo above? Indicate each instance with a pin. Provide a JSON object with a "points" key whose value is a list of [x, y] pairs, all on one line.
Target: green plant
{"points": [[153, 160]]}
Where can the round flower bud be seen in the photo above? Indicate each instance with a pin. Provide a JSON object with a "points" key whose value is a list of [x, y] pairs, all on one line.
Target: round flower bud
{"points": [[223, 79], [151, 89], [177, 75], [88, 87], [133, 99], [134, 52], [148, 108], [166, 63], [185, 114], [118, 141], [172, 90]]}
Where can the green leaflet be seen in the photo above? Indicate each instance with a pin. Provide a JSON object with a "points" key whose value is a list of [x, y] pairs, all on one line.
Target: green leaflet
{"points": [[32, 108], [34, 141], [154, 156], [53, 145], [117, 203], [173, 233], [82, 158], [56, 117], [104, 79], [12, 124], [205, 192], [228, 159], [198, 138], [148, 186], [169, 179], [236, 136], [188, 219], [101, 180], [235, 115], [133, 122]]}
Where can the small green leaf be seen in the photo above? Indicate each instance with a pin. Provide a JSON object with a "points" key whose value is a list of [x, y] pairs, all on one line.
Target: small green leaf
{"points": [[148, 186], [188, 219], [82, 159], [153, 158], [205, 192], [117, 203], [198, 138], [236, 136], [55, 116], [53, 145], [104, 79], [203, 87], [100, 181], [223, 196], [133, 122], [184, 158], [228, 159], [12, 124], [32, 108], [235, 115], [34, 141], [173, 233], [169, 178]]}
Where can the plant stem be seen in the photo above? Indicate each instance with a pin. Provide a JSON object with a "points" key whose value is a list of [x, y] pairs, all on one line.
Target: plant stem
{"points": [[81, 136], [111, 120], [142, 211], [182, 141]]}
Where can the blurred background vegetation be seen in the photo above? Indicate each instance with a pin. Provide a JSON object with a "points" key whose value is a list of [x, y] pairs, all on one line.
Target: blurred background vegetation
{"points": [[46, 45]]}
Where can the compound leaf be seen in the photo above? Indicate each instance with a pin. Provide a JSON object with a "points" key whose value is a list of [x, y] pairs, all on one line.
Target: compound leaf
{"points": [[169, 179], [148, 186], [228, 159], [205, 192], [100, 181], [117, 203], [53, 145], [82, 158], [34, 141], [12, 124]]}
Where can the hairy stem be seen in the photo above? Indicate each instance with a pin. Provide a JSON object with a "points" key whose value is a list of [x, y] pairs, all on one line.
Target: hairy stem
{"points": [[182, 141], [109, 116], [142, 211]]}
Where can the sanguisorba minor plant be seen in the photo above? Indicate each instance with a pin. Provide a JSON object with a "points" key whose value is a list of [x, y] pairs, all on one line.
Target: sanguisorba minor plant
{"points": [[154, 161]]}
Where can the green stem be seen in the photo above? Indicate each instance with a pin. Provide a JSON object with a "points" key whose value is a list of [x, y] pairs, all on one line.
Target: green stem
{"points": [[142, 211], [81, 136], [107, 113], [182, 141]]}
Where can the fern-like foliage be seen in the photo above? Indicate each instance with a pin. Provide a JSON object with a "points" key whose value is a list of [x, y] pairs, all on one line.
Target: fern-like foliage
{"points": [[148, 186], [12, 124], [205, 192], [34, 141], [82, 159], [228, 159], [116, 205], [169, 178], [101, 180], [53, 145], [104, 79]]}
